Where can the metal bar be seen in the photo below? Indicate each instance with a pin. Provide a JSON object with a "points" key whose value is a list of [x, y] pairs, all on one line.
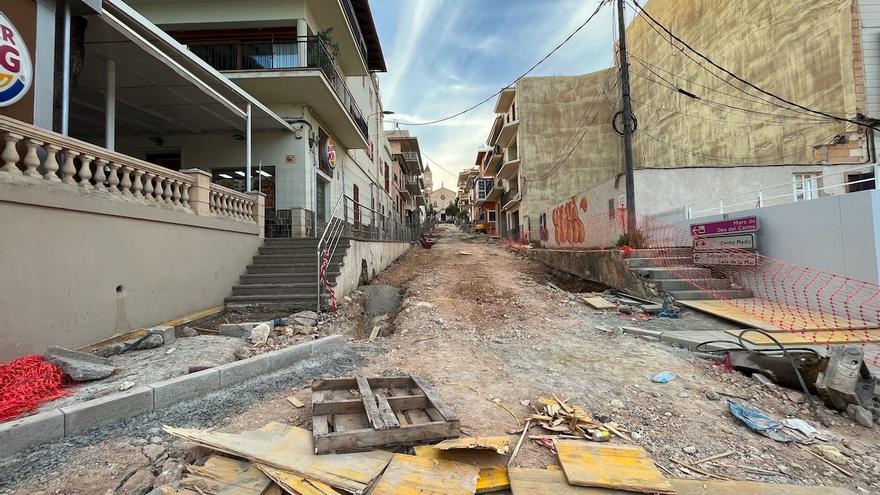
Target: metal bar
{"points": [[248, 148], [110, 107], [65, 74]]}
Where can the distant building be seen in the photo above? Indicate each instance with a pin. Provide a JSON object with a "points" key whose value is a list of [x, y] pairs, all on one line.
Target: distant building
{"points": [[440, 200]]}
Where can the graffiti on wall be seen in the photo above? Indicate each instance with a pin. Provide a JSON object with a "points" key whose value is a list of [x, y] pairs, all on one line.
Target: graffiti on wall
{"points": [[574, 224], [567, 225]]}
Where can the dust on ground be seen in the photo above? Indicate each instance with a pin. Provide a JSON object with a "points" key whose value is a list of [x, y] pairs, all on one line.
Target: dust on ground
{"points": [[480, 324]]}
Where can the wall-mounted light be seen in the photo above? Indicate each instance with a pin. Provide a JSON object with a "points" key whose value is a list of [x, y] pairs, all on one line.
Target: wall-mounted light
{"points": [[239, 173], [225, 176]]}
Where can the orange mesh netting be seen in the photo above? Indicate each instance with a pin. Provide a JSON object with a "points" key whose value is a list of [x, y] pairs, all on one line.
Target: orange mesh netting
{"points": [[25, 383]]}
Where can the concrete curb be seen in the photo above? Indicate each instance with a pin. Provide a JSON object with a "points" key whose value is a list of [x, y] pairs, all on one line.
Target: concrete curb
{"points": [[54, 425]]}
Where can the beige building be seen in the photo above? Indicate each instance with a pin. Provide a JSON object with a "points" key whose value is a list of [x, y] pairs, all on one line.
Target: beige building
{"points": [[440, 199], [699, 139]]}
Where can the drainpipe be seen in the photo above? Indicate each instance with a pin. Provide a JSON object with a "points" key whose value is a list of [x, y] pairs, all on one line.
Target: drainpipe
{"points": [[110, 107], [65, 74], [247, 163]]}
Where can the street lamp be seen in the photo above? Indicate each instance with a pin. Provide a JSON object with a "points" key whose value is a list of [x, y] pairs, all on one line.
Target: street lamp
{"points": [[383, 112]]}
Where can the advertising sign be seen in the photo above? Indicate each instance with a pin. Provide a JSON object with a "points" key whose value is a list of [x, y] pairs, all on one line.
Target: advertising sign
{"points": [[738, 241], [16, 69], [726, 258], [721, 227]]}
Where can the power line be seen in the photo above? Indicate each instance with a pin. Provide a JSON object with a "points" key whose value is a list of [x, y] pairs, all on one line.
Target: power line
{"points": [[437, 164], [744, 81], [524, 74], [731, 122]]}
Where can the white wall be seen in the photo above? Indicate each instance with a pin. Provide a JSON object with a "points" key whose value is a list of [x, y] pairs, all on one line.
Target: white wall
{"points": [[869, 11], [377, 255]]}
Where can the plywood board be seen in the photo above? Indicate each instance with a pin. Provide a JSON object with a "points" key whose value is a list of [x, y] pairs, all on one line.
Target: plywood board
{"points": [[819, 337], [492, 465], [292, 449], [293, 483], [411, 475], [605, 465], [773, 316], [224, 476], [597, 302], [500, 444]]}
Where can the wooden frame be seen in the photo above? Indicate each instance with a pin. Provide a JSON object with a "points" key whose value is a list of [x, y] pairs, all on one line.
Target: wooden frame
{"points": [[355, 414]]}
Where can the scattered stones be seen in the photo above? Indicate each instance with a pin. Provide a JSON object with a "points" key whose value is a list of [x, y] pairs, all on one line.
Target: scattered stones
{"points": [[126, 385], [259, 334], [616, 403], [712, 395], [860, 415], [241, 330], [856, 447], [171, 472], [305, 318], [151, 341], [110, 350], [187, 332], [139, 483], [153, 451], [156, 439], [243, 353], [79, 366], [690, 450]]}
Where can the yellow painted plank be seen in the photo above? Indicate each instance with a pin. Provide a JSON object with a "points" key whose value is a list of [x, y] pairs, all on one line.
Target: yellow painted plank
{"points": [[414, 475], [292, 449], [813, 337], [605, 465], [500, 444], [141, 331], [224, 476], [294, 483], [492, 465], [773, 316], [597, 302], [295, 402]]}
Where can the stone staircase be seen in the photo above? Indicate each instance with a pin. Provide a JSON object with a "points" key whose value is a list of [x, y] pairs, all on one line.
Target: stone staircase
{"points": [[679, 277], [284, 275]]}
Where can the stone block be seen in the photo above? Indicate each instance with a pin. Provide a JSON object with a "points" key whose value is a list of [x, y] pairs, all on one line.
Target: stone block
{"points": [[23, 433], [167, 333], [171, 392], [290, 356], [80, 418], [239, 371], [241, 330], [80, 366]]}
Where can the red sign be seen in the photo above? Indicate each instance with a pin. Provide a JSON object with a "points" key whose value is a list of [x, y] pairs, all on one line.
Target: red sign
{"points": [[721, 227]]}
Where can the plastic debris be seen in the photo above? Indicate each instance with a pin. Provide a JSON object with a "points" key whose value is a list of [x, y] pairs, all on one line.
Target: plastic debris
{"points": [[663, 377], [759, 422]]}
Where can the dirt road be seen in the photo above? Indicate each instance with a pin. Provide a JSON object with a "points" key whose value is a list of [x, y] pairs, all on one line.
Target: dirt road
{"points": [[479, 322]]}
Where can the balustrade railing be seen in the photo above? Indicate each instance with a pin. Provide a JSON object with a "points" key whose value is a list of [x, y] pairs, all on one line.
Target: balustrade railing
{"points": [[37, 154]]}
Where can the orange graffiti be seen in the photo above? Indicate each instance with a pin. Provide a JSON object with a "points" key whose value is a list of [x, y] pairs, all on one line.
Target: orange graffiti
{"points": [[584, 204], [568, 227]]}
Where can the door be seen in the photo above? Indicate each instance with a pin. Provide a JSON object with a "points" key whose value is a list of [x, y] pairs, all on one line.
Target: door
{"points": [[321, 200]]}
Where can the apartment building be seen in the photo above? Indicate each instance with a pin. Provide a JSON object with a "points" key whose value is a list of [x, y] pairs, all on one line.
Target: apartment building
{"points": [[466, 193], [405, 150]]}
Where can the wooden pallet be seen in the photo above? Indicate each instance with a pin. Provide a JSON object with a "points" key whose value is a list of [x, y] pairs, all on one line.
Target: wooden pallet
{"points": [[355, 414]]}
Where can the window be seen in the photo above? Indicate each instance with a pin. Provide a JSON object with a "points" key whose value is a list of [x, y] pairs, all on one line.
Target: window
{"points": [[483, 187], [491, 215], [806, 186], [863, 182], [386, 178], [442, 197], [357, 204]]}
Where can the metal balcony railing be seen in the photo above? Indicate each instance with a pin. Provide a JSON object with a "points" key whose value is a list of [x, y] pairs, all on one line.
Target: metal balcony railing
{"points": [[278, 55]]}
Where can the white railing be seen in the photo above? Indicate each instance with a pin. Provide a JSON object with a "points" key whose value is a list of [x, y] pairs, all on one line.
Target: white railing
{"points": [[32, 153], [804, 186]]}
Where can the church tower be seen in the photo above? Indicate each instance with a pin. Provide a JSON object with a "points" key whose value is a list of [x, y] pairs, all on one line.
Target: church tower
{"points": [[428, 177]]}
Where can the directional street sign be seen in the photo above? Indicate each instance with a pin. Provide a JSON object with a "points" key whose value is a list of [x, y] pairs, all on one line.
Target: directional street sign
{"points": [[726, 258], [721, 227], [738, 241]]}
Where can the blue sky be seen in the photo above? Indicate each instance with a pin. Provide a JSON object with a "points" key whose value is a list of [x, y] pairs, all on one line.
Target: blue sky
{"points": [[445, 55]]}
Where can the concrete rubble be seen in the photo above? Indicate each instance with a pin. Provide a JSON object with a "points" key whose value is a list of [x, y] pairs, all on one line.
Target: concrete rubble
{"points": [[80, 366]]}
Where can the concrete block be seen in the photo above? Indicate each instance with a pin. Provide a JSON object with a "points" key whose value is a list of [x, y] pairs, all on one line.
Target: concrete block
{"points": [[643, 332], [167, 333], [284, 358], [328, 345], [80, 418], [171, 392], [23, 433], [241, 330], [239, 371]]}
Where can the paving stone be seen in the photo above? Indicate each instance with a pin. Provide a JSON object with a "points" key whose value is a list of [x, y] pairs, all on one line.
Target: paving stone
{"points": [[22, 433], [78, 365], [167, 333], [80, 418], [240, 330], [239, 371], [289, 356], [171, 392]]}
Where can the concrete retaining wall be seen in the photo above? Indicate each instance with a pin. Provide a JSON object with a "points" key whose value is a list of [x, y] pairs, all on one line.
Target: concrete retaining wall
{"points": [[79, 418], [377, 256], [83, 267], [605, 267]]}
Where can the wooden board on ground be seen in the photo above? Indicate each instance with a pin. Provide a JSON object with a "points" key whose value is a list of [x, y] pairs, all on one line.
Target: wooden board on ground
{"points": [[293, 483], [142, 331], [351, 414], [492, 465], [525, 481], [500, 444], [289, 448], [817, 337], [606, 465], [597, 302], [224, 476], [409, 474], [773, 316]]}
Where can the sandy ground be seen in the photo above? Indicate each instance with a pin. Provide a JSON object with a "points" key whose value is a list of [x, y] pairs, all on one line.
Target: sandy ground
{"points": [[479, 323]]}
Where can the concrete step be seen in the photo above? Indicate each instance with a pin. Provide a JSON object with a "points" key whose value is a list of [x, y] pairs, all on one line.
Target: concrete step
{"points": [[295, 252], [280, 259], [273, 302], [282, 268], [299, 241], [658, 261], [698, 295], [284, 278], [304, 289], [687, 272], [691, 284]]}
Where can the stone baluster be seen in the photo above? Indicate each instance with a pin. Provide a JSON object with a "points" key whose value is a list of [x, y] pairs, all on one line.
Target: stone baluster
{"points": [[212, 205], [85, 171], [50, 165], [184, 195], [68, 171], [235, 208], [239, 212], [125, 183], [31, 160], [175, 192], [10, 154], [100, 174], [148, 186], [138, 185], [227, 206], [113, 178], [167, 193]]}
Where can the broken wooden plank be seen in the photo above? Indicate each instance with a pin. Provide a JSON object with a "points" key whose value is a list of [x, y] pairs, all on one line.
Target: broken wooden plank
{"points": [[386, 412], [293, 483], [224, 476], [414, 474], [352, 406], [447, 413], [351, 383], [598, 303], [346, 440], [500, 444], [295, 402], [369, 400], [347, 422], [619, 467], [492, 465]]}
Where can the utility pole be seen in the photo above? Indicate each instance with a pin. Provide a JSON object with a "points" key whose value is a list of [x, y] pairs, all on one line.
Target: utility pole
{"points": [[627, 124]]}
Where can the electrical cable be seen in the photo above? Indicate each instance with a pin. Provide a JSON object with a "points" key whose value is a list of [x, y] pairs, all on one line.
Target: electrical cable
{"points": [[524, 74], [746, 82]]}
